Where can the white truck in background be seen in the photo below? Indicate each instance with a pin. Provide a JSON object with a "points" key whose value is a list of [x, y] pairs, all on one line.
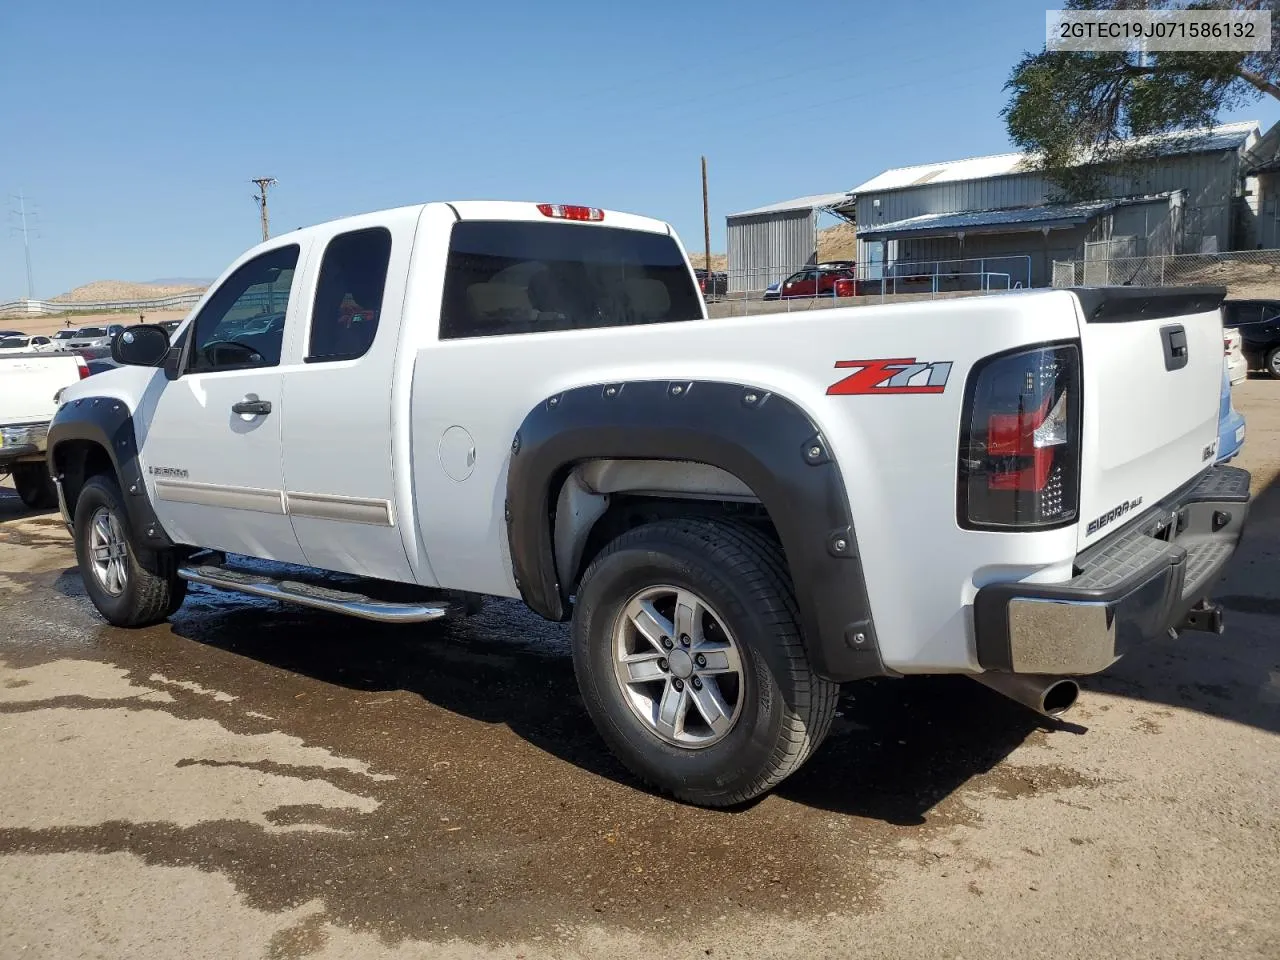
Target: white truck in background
{"points": [[527, 400], [29, 385]]}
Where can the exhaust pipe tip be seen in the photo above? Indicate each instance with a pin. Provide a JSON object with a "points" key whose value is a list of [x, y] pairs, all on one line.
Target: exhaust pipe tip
{"points": [[1059, 697], [1047, 696]]}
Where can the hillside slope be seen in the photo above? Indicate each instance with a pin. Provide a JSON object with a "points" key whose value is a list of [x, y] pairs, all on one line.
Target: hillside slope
{"points": [[122, 290]]}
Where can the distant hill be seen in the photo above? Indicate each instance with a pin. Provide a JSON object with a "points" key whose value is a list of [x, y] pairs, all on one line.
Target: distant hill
{"points": [[178, 282], [124, 290]]}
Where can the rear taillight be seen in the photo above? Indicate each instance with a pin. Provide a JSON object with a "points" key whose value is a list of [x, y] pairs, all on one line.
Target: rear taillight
{"points": [[569, 212], [84, 367], [1020, 446]]}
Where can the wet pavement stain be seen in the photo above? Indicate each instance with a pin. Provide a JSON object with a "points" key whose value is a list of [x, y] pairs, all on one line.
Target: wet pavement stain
{"points": [[495, 810]]}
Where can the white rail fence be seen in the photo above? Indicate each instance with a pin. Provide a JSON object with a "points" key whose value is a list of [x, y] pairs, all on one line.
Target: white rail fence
{"points": [[42, 308]]}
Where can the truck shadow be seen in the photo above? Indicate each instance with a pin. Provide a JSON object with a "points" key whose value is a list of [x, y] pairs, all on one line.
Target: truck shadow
{"points": [[12, 507], [897, 747]]}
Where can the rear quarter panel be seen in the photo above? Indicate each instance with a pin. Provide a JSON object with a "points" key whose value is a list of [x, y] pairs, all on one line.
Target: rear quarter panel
{"points": [[897, 451]]}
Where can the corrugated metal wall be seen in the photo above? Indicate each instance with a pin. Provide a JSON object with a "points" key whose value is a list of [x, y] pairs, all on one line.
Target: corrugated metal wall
{"points": [[767, 247], [1208, 178], [1268, 222]]}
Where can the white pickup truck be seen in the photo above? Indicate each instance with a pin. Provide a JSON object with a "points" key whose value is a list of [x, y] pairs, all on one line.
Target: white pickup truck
{"points": [[29, 383], [433, 403]]}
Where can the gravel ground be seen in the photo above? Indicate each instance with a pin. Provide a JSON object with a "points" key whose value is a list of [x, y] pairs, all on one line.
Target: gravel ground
{"points": [[258, 781]]}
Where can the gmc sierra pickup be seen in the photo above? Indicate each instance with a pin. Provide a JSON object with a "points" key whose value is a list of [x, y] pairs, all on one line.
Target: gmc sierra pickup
{"points": [[435, 403]]}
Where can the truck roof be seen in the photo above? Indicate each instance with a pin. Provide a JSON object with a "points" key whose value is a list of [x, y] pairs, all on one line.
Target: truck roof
{"points": [[502, 210]]}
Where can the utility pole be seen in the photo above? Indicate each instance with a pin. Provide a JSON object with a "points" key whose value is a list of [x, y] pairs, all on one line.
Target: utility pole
{"points": [[706, 228], [26, 242], [261, 199]]}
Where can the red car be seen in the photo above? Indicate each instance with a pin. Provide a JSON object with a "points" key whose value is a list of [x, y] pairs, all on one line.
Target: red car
{"points": [[811, 282]]}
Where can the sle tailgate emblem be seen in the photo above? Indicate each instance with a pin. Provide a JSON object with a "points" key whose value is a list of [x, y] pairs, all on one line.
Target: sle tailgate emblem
{"points": [[890, 376]]}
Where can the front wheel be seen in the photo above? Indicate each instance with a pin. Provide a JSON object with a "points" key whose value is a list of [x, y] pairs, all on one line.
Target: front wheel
{"points": [[130, 587], [690, 662]]}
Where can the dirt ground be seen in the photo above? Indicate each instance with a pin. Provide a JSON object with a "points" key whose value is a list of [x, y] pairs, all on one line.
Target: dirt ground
{"points": [[258, 781]]}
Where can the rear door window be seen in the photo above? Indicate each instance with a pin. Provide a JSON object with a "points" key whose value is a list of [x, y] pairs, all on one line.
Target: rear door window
{"points": [[510, 277], [348, 304]]}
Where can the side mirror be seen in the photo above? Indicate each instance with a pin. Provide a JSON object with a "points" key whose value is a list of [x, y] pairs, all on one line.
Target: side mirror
{"points": [[142, 345]]}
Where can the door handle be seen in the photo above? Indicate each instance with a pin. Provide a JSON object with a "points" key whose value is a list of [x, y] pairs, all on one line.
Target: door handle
{"points": [[1175, 346], [251, 406]]}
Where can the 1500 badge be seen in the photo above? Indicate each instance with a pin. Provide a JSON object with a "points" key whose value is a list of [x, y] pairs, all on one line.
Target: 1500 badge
{"points": [[906, 375], [1112, 515]]}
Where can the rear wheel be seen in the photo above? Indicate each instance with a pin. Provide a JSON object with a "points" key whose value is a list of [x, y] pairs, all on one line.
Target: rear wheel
{"points": [[34, 485], [1273, 362], [689, 659], [130, 586]]}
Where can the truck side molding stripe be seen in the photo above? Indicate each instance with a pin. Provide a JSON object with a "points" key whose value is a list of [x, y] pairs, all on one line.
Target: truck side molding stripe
{"points": [[762, 439], [326, 506], [317, 506], [216, 495]]}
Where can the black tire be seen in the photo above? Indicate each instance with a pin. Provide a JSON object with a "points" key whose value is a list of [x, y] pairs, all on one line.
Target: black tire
{"points": [[1273, 362], [152, 590], [786, 710], [34, 485]]}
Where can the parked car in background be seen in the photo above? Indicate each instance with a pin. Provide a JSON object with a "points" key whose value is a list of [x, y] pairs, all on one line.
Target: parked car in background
{"points": [[717, 286], [62, 338], [25, 344], [94, 338], [11, 333], [1236, 364], [1230, 424], [1259, 324], [810, 282]]}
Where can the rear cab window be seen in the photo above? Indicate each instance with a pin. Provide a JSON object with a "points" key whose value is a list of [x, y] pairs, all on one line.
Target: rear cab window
{"points": [[511, 277]]}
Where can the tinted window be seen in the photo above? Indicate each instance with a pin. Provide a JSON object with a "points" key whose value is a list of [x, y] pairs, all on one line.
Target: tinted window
{"points": [[348, 303], [91, 332], [242, 325], [40, 341], [511, 277], [13, 342]]}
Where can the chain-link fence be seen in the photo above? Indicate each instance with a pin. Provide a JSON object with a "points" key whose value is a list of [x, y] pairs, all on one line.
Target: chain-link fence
{"points": [[1245, 273], [807, 281]]}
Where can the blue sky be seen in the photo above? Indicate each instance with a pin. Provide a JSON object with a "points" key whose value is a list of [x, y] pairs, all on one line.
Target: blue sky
{"points": [[134, 127]]}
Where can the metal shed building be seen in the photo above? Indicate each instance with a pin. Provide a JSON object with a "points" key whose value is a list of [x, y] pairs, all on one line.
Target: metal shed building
{"points": [[770, 242], [1185, 197]]}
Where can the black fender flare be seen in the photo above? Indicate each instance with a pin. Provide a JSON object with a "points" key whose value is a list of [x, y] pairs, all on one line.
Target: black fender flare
{"points": [[107, 422], [762, 438]]}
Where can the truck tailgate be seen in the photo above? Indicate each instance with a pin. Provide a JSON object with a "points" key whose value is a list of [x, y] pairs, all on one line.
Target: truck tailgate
{"points": [[1152, 364], [28, 383]]}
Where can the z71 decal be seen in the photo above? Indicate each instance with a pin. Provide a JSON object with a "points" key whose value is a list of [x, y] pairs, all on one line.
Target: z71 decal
{"points": [[891, 376]]}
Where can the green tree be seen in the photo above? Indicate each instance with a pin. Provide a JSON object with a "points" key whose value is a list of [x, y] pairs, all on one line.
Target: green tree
{"points": [[1077, 113]]}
